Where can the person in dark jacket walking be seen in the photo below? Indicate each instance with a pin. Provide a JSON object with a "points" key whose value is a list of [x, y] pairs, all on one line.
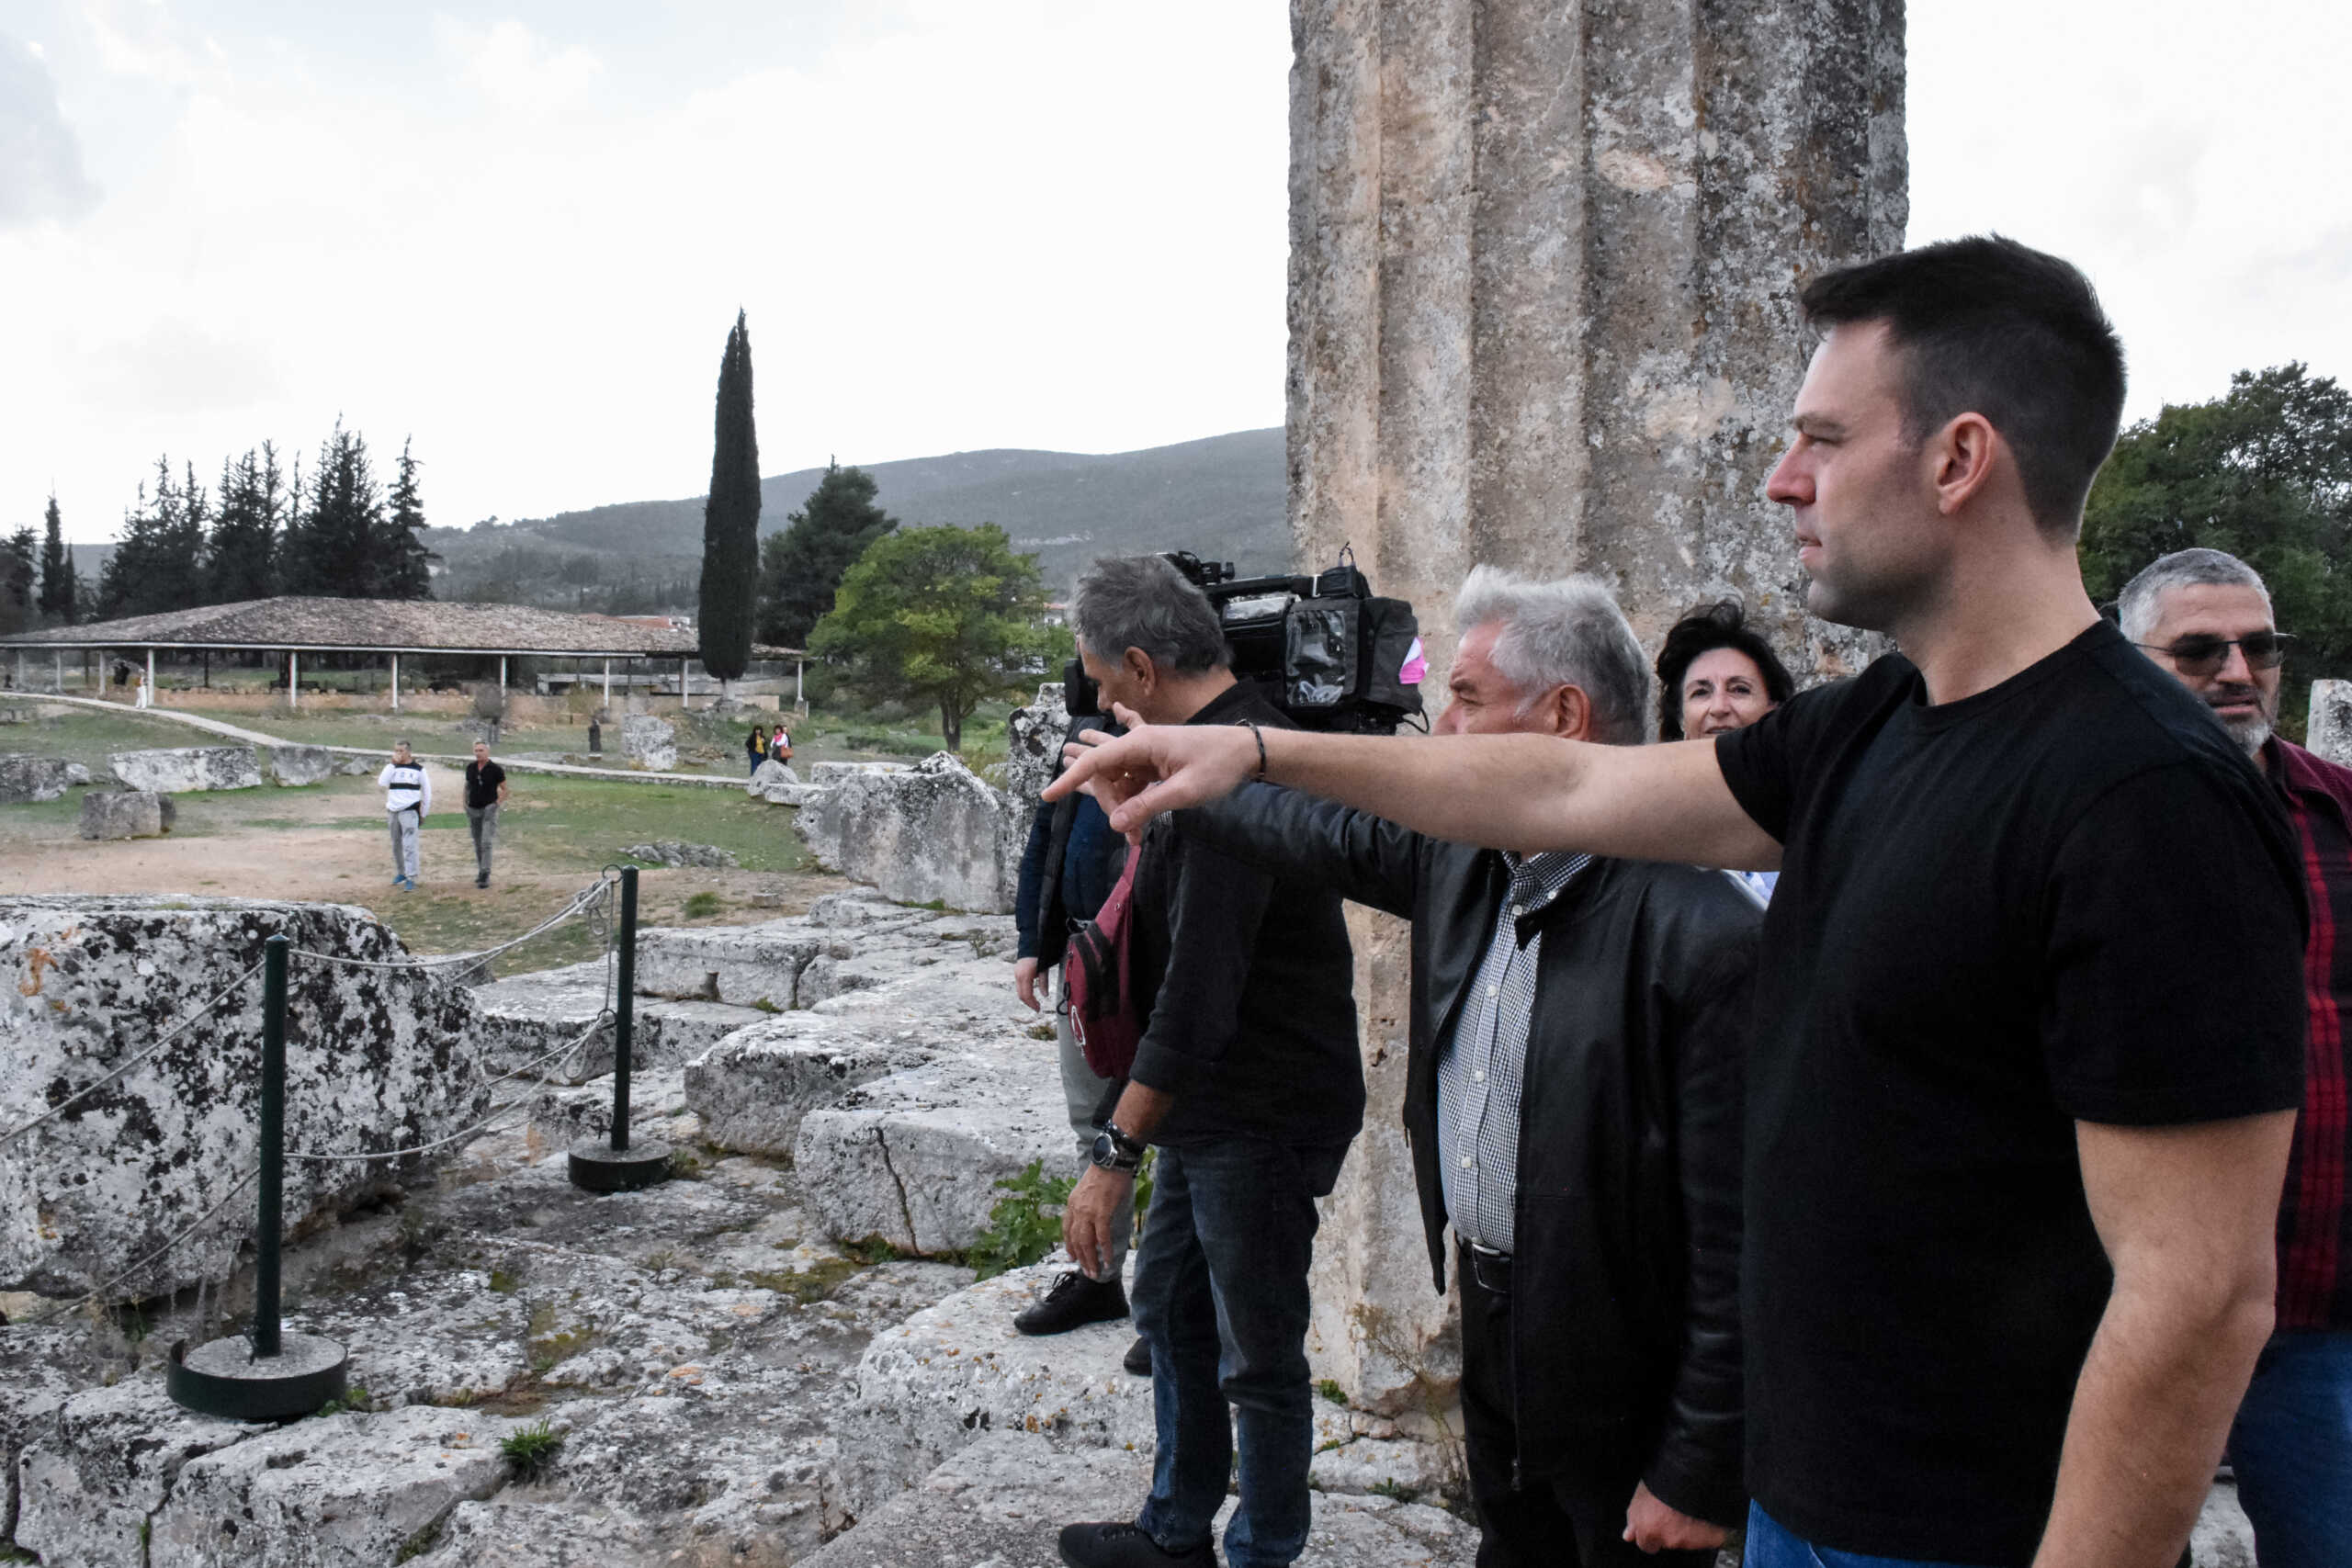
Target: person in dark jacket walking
{"points": [[1067, 869], [756, 746], [1573, 1102], [1249, 1083]]}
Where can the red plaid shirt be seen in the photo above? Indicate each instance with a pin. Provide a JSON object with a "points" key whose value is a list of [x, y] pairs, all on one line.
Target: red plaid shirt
{"points": [[2314, 1221]]}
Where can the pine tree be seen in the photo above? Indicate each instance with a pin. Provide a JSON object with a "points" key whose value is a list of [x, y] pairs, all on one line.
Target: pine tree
{"points": [[335, 551], [730, 519], [404, 565], [156, 560], [20, 598], [241, 562], [57, 585], [801, 569]]}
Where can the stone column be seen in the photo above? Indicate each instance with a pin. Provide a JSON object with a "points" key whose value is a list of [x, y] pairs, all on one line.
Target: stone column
{"points": [[1544, 262], [2329, 730]]}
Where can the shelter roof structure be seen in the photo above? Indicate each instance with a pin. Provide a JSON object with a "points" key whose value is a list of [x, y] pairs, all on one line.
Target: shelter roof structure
{"points": [[383, 626]]}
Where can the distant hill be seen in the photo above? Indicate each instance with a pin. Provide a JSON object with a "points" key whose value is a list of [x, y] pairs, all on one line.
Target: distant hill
{"points": [[1221, 498]]}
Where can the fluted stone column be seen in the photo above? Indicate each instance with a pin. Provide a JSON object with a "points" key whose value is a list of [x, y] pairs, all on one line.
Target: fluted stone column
{"points": [[1542, 275]]}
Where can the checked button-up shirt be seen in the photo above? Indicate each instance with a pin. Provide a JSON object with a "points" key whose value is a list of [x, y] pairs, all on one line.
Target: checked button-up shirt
{"points": [[1483, 1063]]}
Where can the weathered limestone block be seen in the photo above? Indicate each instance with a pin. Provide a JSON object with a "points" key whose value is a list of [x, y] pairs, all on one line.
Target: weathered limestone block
{"points": [[1003, 1499], [855, 909], [127, 814], [936, 832], [88, 1482], [332, 1491], [650, 743], [561, 1117], [753, 1089], [376, 1060], [2329, 734], [438, 1338], [1033, 752], [958, 1371], [914, 1157], [298, 765], [178, 769], [671, 851], [26, 778], [41, 1369], [546, 1531], [828, 774], [742, 965], [525, 1017], [776, 783]]}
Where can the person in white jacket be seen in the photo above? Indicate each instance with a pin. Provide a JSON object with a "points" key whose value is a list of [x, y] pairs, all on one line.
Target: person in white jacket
{"points": [[408, 801]]}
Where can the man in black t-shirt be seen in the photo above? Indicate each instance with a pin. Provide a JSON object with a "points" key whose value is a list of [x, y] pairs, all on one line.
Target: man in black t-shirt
{"points": [[2029, 1035], [485, 792]]}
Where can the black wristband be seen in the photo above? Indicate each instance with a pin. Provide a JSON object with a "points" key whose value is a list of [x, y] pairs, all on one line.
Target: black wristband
{"points": [[1259, 737]]}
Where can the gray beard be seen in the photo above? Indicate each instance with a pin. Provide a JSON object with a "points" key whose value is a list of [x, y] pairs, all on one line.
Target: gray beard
{"points": [[2252, 734]]}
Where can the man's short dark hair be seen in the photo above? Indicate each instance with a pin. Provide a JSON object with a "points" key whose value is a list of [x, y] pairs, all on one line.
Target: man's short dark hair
{"points": [[1125, 601], [1990, 326], [1722, 623]]}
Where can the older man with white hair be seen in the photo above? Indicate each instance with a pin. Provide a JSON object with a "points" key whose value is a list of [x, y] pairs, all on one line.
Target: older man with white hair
{"points": [[2206, 616], [1573, 1100]]}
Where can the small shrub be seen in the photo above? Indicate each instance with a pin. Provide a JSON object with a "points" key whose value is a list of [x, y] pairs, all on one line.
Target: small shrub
{"points": [[356, 1400], [532, 1449], [1394, 1490], [504, 1281], [1024, 1227], [1329, 1389], [702, 905]]}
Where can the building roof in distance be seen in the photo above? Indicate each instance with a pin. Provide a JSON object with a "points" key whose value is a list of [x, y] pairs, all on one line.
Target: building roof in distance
{"points": [[386, 625]]}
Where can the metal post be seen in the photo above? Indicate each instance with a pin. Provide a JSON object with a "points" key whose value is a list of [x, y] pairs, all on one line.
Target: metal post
{"points": [[501, 676], [396, 683], [625, 1009], [619, 1164], [799, 689], [293, 677], [271, 1222], [60, 660], [683, 704], [268, 1374], [150, 675], [608, 684]]}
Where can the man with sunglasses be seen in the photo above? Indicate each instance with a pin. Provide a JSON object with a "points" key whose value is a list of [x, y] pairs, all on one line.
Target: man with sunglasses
{"points": [[2206, 616]]}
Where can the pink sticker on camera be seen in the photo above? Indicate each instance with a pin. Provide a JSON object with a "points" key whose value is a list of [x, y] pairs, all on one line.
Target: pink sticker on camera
{"points": [[1416, 667]]}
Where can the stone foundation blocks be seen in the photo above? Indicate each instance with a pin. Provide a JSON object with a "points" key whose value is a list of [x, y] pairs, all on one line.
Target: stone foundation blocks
{"points": [[127, 814]]}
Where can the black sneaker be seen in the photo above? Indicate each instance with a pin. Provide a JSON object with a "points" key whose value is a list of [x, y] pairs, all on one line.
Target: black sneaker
{"points": [[1122, 1545], [483, 880], [1138, 1357], [1074, 1301]]}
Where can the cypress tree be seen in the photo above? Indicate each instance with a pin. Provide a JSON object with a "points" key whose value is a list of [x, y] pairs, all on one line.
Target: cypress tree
{"points": [[20, 598], [730, 519], [57, 586], [337, 550], [242, 560]]}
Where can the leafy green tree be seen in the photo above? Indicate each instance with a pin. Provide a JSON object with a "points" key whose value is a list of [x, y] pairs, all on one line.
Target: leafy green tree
{"points": [[58, 592], [2265, 473], [404, 565], [801, 569], [945, 616], [730, 519], [240, 561], [19, 590], [332, 548]]}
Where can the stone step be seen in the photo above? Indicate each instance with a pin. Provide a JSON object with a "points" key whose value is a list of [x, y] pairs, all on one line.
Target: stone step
{"points": [[914, 1158], [1001, 1501], [752, 1088], [525, 1016]]}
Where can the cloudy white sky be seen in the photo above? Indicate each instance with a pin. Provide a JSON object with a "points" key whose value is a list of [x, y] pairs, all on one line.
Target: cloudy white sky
{"points": [[519, 231]]}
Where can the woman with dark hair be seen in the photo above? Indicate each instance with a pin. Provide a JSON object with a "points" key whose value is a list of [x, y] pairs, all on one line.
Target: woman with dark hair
{"points": [[1716, 674], [756, 746]]}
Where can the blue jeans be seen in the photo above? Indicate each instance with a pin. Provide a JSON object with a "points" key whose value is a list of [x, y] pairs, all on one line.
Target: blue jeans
{"points": [[2292, 1450], [1220, 1295], [1771, 1546]]}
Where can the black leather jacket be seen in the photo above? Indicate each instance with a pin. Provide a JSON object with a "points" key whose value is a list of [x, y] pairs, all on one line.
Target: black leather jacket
{"points": [[1626, 1283]]}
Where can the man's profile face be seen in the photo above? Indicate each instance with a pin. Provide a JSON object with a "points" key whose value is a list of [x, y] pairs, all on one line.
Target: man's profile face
{"points": [[1481, 700], [1120, 681], [2245, 699], [1858, 487], [481, 751]]}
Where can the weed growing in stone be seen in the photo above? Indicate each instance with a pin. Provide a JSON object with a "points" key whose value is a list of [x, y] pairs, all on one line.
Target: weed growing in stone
{"points": [[532, 1449], [1331, 1390], [1024, 1226], [1396, 1491], [356, 1400]]}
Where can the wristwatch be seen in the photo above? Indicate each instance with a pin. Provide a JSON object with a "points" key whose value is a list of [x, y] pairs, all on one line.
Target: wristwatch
{"points": [[1113, 1150]]}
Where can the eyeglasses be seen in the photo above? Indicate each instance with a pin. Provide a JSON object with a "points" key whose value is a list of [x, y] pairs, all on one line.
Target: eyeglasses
{"points": [[2205, 655]]}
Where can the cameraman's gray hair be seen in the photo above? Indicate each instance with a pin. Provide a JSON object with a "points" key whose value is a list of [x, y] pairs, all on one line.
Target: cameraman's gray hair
{"points": [[1125, 601], [2142, 606], [1567, 632]]}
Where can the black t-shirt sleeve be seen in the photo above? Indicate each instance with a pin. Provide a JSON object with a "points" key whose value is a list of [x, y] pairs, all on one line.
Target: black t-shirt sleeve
{"points": [[1769, 764], [2174, 922]]}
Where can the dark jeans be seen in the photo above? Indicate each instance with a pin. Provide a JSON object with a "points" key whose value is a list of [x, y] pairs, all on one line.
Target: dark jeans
{"points": [[1221, 1296], [2292, 1450], [1560, 1521]]}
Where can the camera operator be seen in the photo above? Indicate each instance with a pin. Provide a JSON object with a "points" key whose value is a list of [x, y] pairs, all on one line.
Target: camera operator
{"points": [[1067, 869], [1247, 1081]]}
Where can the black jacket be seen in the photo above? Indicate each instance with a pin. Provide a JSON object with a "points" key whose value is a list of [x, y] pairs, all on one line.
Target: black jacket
{"points": [[1250, 985], [1626, 1282]]}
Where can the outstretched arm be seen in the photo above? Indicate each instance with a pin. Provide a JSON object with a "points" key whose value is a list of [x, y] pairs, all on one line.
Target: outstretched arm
{"points": [[1506, 792]]}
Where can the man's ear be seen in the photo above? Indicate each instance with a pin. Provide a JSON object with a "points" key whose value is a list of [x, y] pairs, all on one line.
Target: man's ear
{"points": [[1571, 712], [1141, 669], [1964, 454]]}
